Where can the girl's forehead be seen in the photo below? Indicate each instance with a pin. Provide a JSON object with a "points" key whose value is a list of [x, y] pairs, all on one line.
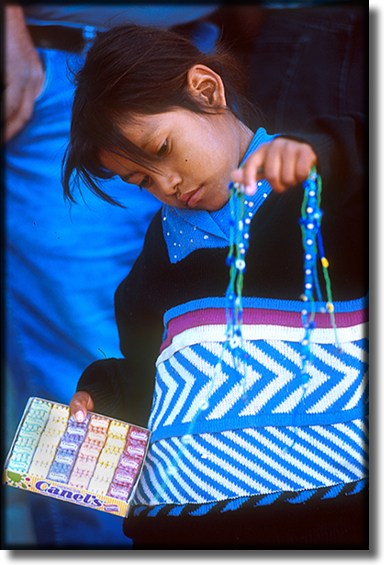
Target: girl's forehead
{"points": [[144, 133], [180, 127], [140, 127], [144, 124]]}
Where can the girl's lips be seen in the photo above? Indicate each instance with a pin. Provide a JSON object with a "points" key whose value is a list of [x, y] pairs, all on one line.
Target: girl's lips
{"points": [[192, 198]]}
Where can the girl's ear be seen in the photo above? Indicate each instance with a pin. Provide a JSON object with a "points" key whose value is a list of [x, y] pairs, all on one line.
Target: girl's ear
{"points": [[206, 85]]}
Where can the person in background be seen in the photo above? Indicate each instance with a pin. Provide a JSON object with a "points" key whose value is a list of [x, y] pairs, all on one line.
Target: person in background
{"points": [[305, 58], [63, 263]]}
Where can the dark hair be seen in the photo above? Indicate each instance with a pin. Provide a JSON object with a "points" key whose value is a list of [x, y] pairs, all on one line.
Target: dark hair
{"points": [[135, 69]]}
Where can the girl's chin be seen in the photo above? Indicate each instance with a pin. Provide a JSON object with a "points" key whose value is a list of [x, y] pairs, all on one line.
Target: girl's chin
{"points": [[218, 204]]}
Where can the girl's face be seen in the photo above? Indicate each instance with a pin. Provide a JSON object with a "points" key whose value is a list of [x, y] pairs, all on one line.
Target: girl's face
{"points": [[197, 154]]}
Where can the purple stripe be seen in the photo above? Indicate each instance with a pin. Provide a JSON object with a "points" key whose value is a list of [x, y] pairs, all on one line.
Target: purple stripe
{"points": [[259, 316]]}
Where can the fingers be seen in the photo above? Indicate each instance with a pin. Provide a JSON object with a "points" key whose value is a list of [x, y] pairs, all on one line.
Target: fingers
{"points": [[24, 72], [252, 171], [283, 163], [80, 404], [17, 116], [20, 97]]}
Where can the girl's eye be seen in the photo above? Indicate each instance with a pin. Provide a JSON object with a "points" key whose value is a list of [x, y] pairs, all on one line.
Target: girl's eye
{"points": [[146, 181], [163, 149]]}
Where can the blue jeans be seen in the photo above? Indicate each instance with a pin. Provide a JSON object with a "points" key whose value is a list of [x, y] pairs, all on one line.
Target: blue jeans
{"points": [[63, 264]]}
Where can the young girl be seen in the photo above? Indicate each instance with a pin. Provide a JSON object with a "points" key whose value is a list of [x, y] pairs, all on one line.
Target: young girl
{"points": [[258, 416]]}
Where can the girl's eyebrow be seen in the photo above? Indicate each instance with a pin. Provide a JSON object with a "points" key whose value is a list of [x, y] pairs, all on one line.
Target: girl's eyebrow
{"points": [[148, 139], [151, 140], [152, 136]]}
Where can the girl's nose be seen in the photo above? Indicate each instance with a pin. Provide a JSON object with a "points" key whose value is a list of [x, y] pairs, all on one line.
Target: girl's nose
{"points": [[169, 183]]}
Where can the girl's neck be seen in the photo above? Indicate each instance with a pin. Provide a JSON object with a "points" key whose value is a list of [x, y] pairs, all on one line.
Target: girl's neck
{"points": [[245, 136]]}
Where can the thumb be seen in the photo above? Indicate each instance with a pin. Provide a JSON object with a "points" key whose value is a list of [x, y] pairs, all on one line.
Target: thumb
{"points": [[80, 404]]}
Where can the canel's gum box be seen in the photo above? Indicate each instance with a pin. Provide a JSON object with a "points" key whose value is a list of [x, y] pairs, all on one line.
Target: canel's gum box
{"points": [[96, 463]]}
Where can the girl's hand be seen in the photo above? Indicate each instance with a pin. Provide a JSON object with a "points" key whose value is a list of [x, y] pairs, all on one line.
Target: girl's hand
{"points": [[80, 403], [24, 72], [283, 162]]}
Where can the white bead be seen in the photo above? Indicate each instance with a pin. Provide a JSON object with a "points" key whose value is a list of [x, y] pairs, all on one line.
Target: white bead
{"points": [[240, 264], [234, 342]]}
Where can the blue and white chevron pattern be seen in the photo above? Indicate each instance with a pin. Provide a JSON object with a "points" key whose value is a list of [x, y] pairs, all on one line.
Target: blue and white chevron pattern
{"points": [[262, 433], [271, 381]]}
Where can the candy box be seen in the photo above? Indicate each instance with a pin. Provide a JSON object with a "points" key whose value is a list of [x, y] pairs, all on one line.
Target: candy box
{"points": [[96, 463]]}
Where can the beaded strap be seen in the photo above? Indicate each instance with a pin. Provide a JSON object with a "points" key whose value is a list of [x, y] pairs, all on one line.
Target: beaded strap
{"points": [[310, 222]]}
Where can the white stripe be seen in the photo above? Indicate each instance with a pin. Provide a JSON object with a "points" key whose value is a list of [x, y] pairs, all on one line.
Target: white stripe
{"points": [[198, 478], [188, 384], [318, 378], [177, 457], [208, 389], [158, 490], [355, 350], [362, 355], [348, 432], [167, 397], [290, 459], [335, 363], [254, 466], [284, 348], [248, 379], [355, 398], [336, 456], [361, 425], [156, 404], [229, 474], [252, 332], [283, 376]]}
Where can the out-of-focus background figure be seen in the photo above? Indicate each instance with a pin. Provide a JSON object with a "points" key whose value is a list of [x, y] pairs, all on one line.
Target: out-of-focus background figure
{"points": [[62, 263]]}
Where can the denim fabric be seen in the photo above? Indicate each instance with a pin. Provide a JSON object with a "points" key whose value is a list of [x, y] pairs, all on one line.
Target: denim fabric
{"points": [[63, 264], [107, 15]]}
